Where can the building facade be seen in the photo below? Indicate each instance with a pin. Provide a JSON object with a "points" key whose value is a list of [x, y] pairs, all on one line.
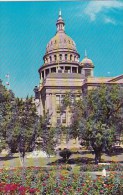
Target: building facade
{"points": [[63, 72]]}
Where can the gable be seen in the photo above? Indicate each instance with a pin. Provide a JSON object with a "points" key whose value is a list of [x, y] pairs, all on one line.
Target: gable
{"points": [[118, 79]]}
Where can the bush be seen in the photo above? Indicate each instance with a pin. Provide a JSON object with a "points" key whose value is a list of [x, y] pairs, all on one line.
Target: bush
{"points": [[65, 154]]}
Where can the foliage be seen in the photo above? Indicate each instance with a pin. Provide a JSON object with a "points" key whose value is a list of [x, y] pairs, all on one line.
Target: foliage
{"points": [[97, 117], [65, 154], [47, 134], [18, 121], [6, 99]]}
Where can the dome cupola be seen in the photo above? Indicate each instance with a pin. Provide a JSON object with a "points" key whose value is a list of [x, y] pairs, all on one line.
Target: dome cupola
{"points": [[87, 66], [86, 62], [61, 43], [60, 23]]}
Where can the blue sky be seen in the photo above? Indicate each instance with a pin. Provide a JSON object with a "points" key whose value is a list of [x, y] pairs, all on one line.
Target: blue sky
{"points": [[27, 27]]}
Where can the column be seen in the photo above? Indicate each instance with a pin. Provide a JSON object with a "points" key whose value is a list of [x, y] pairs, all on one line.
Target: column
{"points": [[44, 74], [47, 105], [71, 69], [41, 106], [77, 69]]}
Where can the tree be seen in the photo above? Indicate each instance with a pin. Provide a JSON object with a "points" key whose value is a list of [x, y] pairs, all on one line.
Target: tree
{"points": [[6, 98], [18, 121], [97, 117], [47, 134]]}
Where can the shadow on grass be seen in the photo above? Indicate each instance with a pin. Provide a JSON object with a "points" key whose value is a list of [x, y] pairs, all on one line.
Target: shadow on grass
{"points": [[83, 152], [5, 158], [72, 161], [115, 151]]}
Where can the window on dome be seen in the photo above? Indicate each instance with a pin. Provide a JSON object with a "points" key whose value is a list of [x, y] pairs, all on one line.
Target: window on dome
{"points": [[70, 57], [53, 69], [60, 57], [55, 57], [65, 56], [55, 41], [74, 58], [47, 72], [50, 59], [69, 41], [65, 40]]}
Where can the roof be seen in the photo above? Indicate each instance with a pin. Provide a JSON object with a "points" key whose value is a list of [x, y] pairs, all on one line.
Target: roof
{"points": [[66, 75], [61, 41]]}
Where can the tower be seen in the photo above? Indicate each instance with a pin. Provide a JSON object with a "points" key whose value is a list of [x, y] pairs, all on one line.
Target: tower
{"points": [[87, 66]]}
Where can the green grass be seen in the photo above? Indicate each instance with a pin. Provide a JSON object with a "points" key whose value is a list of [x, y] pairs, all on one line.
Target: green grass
{"points": [[15, 160]]}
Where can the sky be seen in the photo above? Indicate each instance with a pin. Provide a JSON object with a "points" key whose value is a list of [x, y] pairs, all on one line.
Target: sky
{"points": [[27, 27]]}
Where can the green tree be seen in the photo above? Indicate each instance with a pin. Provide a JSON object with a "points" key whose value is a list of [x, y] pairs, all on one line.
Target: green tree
{"points": [[97, 117], [47, 134], [6, 99]]}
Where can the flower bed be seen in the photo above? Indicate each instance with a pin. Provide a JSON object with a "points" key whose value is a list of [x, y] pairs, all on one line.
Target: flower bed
{"points": [[37, 180], [111, 167], [13, 188]]}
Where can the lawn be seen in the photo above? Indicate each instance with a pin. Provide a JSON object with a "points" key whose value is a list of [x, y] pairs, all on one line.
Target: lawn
{"points": [[77, 159]]}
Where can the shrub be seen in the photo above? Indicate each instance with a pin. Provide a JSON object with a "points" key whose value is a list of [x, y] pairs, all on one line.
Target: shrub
{"points": [[65, 154]]}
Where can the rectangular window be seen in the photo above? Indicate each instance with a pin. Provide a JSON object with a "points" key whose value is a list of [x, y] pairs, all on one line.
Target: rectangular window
{"points": [[58, 120], [63, 117], [87, 72], [58, 100], [65, 56]]}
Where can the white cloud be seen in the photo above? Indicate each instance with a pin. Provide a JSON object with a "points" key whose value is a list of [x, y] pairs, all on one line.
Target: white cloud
{"points": [[95, 7], [109, 20]]}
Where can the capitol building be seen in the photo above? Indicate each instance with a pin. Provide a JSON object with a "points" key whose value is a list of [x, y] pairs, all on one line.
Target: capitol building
{"points": [[61, 72]]}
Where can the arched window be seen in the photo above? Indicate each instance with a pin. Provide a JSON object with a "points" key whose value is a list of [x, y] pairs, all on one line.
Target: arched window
{"points": [[60, 57], [50, 59], [55, 57], [74, 58], [65, 56], [70, 57]]}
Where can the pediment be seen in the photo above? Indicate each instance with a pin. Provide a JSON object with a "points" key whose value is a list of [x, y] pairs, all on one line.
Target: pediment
{"points": [[118, 79]]}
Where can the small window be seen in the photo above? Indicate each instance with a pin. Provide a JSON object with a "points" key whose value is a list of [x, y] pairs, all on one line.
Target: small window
{"points": [[58, 100], [63, 117], [70, 57], [60, 57], [50, 59], [87, 72], [58, 120], [65, 56], [55, 57]]}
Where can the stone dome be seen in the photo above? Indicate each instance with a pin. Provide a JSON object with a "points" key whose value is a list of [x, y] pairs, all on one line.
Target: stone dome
{"points": [[61, 41], [86, 62]]}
